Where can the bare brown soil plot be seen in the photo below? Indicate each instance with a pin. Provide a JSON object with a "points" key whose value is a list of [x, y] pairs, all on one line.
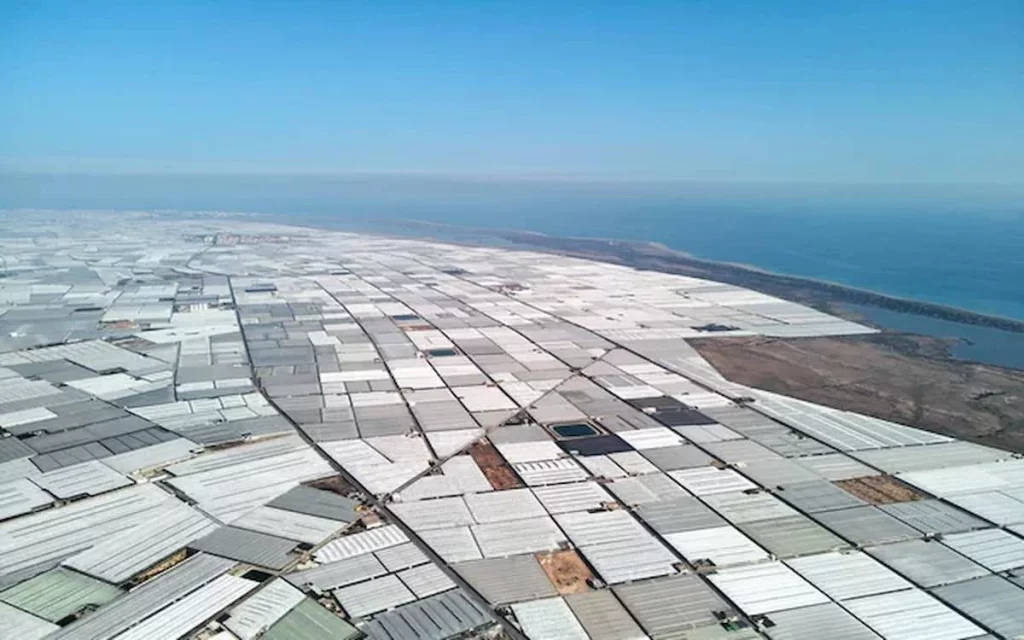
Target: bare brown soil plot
{"points": [[498, 473], [566, 571], [879, 489], [486, 455], [160, 567], [501, 478], [893, 377], [334, 484]]}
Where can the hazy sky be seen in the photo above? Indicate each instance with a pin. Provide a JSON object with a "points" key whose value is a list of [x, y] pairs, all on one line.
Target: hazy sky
{"points": [[856, 91]]}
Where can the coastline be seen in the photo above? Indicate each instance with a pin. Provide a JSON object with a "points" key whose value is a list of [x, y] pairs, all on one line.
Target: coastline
{"points": [[997, 333], [822, 294], [899, 374], [903, 376], [819, 293], [1000, 339]]}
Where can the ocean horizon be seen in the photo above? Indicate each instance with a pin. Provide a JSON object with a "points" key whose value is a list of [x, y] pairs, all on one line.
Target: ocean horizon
{"points": [[957, 246]]}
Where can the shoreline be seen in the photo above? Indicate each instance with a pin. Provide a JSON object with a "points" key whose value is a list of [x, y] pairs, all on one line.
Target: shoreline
{"points": [[829, 297], [822, 294]]}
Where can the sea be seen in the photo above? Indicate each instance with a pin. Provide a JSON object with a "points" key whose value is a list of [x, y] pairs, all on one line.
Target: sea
{"points": [[960, 259], [974, 262], [958, 246], [971, 262]]}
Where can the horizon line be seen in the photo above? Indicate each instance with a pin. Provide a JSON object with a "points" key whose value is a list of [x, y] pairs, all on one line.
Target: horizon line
{"points": [[511, 176]]}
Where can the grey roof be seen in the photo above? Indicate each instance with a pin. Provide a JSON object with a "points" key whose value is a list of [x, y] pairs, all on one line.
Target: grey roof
{"points": [[645, 489], [59, 593], [18, 469], [816, 622], [15, 577], [74, 415], [586, 528], [53, 370], [579, 496], [137, 440], [994, 602], [372, 539], [293, 525], [338, 574], [789, 443], [735, 451], [927, 563], [530, 535], [739, 507], [995, 549], [434, 514], [933, 456], [126, 553], [148, 598], [309, 621], [220, 432], [426, 580], [262, 609], [148, 455], [371, 596], [866, 525], [677, 457], [248, 546], [642, 556], [911, 614], [933, 516], [88, 478], [317, 502], [52, 442], [455, 544], [603, 616], [837, 466], [766, 587], [100, 357], [24, 626], [849, 575], [438, 617], [194, 610], [781, 472], [58, 533], [70, 456], [330, 431], [237, 457], [13, 448], [518, 433], [548, 618], [443, 416], [679, 514], [668, 606], [507, 580], [816, 496], [21, 496], [401, 556], [501, 506], [792, 536], [156, 396], [233, 491]]}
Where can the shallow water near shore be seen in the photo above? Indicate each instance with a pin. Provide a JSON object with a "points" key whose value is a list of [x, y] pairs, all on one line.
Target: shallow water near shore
{"points": [[973, 262], [977, 344]]}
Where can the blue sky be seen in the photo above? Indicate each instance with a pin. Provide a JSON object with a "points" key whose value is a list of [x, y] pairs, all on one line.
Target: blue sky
{"points": [[848, 92]]}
